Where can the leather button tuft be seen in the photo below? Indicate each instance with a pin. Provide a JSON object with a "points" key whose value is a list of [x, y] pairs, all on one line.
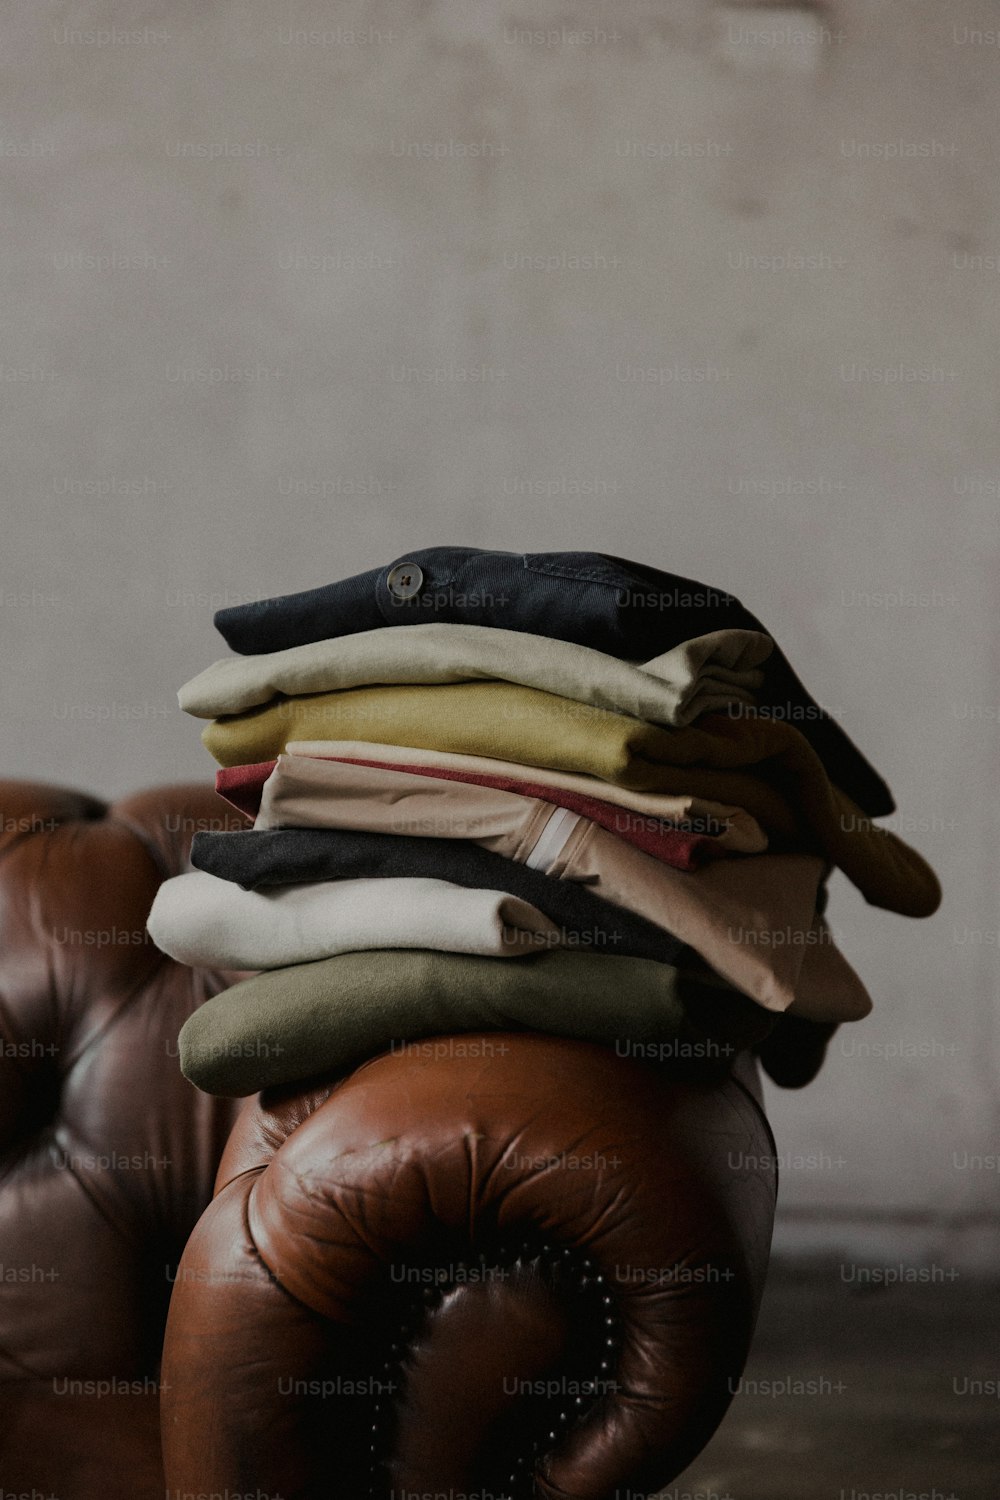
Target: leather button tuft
{"points": [[405, 580]]}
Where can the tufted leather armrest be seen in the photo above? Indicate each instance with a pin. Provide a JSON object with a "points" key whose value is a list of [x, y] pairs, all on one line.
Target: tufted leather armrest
{"points": [[473, 1261], [107, 1154]]}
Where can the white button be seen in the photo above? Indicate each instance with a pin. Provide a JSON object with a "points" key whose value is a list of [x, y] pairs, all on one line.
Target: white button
{"points": [[405, 580]]}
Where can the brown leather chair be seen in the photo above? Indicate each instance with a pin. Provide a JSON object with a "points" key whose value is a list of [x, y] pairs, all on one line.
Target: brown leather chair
{"points": [[505, 1263]]}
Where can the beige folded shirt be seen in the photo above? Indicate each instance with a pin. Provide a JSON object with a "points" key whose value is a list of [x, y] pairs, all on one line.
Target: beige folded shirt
{"points": [[752, 919], [703, 675], [306, 793], [740, 833]]}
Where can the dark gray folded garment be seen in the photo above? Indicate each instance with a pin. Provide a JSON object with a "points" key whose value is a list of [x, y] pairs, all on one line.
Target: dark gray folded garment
{"points": [[289, 856], [287, 1025]]}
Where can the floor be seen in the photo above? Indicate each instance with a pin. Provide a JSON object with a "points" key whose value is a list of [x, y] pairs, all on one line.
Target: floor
{"points": [[861, 1393]]}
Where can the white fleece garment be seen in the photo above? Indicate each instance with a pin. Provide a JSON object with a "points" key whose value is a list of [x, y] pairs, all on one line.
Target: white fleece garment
{"points": [[202, 920]]}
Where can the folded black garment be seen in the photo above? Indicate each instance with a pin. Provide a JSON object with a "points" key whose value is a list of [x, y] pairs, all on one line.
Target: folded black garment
{"points": [[291, 856], [623, 608], [286, 1025], [795, 1050]]}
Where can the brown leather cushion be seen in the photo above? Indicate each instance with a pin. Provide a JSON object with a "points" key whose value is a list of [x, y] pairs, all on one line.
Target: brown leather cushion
{"points": [[108, 1154]]}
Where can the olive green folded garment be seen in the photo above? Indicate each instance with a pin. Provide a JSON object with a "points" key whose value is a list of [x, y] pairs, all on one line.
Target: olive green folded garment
{"points": [[525, 725], [696, 677], [285, 1025]]}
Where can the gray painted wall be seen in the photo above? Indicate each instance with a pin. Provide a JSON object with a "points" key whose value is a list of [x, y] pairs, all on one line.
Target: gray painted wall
{"points": [[290, 290]]}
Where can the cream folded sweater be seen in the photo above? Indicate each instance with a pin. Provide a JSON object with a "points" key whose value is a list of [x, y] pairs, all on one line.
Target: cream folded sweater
{"points": [[704, 675], [202, 920]]}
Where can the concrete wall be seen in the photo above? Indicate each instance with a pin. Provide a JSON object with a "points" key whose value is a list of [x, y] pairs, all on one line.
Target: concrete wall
{"points": [[290, 290]]}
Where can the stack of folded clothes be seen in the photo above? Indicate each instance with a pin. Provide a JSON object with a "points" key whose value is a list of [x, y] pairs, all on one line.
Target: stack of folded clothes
{"points": [[605, 777]]}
